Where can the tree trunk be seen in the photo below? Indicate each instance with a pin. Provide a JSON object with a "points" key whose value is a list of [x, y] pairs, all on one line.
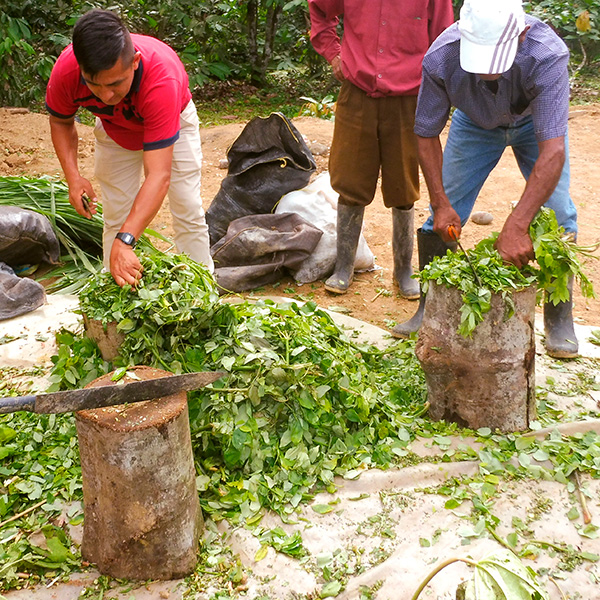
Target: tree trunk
{"points": [[252, 22], [259, 61], [273, 13]]}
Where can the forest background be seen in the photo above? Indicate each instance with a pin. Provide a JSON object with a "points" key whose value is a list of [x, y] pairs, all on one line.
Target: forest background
{"points": [[244, 58]]}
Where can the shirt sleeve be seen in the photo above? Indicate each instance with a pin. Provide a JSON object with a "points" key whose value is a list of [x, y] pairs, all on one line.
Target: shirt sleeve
{"points": [[550, 106], [441, 16], [161, 114], [59, 94], [433, 105], [323, 30]]}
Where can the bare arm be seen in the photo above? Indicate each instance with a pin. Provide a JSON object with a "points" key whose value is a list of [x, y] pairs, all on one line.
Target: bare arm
{"points": [[431, 158], [65, 141], [124, 264], [514, 243]]}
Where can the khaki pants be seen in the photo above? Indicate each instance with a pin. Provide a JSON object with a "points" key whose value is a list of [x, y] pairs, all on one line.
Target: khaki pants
{"points": [[119, 172], [372, 134]]}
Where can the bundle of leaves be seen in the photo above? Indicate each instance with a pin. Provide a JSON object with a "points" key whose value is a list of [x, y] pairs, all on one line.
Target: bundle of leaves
{"points": [[299, 403], [558, 262]]}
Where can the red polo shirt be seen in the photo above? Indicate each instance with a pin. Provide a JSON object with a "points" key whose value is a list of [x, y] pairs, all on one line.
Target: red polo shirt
{"points": [[148, 117], [384, 41]]}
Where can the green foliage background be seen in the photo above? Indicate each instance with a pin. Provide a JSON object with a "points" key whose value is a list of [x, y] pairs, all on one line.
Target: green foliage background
{"points": [[219, 40]]}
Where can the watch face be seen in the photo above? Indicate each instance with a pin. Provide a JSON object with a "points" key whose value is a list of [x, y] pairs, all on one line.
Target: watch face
{"points": [[126, 238]]}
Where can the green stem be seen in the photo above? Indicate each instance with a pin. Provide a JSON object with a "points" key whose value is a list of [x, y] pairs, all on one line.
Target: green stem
{"points": [[500, 540], [544, 544], [437, 570]]}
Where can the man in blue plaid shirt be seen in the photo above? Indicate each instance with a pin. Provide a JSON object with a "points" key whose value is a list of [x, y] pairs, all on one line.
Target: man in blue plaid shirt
{"points": [[506, 74]]}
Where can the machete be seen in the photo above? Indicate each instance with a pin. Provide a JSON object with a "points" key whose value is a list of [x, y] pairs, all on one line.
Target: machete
{"points": [[108, 395]]}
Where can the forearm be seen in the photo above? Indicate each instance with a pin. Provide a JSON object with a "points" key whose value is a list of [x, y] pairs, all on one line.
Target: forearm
{"points": [[541, 183], [431, 159], [125, 266], [65, 142], [146, 204], [514, 243]]}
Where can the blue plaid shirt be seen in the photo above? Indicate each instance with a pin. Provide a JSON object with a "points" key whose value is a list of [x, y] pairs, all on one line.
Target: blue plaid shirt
{"points": [[537, 84]]}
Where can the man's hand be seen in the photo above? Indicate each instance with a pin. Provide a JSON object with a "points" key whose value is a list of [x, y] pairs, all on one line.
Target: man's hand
{"points": [[514, 244], [125, 266], [336, 65], [444, 217], [82, 197]]}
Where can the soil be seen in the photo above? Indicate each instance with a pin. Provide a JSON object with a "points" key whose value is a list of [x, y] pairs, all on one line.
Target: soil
{"points": [[26, 149]]}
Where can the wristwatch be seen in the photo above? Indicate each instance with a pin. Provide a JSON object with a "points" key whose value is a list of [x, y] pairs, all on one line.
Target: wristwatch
{"points": [[126, 238]]}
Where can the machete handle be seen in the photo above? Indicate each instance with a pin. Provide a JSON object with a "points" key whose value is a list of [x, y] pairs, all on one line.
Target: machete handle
{"points": [[17, 403], [453, 233]]}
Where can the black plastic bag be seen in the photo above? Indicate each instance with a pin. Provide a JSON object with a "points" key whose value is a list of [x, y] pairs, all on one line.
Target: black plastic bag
{"points": [[258, 249], [26, 237], [18, 295], [267, 160]]}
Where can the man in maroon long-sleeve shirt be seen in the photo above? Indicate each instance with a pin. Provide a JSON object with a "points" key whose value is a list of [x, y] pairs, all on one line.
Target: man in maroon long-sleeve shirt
{"points": [[378, 62]]}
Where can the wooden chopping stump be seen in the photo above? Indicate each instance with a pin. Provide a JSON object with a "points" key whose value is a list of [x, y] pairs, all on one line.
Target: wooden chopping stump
{"points": [[142, 516], [106, 336], [487, 380]]}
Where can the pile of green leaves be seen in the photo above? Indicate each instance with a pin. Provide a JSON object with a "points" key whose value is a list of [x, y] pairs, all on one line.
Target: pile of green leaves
{"points": [[558, 262], [299, 402], [39, 474]]}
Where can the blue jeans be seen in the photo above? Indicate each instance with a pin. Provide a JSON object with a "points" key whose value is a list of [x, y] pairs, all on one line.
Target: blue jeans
{"points": [[472, 152]]}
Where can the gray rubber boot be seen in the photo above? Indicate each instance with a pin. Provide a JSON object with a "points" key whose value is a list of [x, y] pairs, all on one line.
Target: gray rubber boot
{"points": [[349, 225], [402, 247], [561, 341], [430, 245]]}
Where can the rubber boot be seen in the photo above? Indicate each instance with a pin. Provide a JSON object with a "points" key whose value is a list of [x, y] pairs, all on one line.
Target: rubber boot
{"points": [[402, 247], [561, 341], [430, 245], [349, 225]]}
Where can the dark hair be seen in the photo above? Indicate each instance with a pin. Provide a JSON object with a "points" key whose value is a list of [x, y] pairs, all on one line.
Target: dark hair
{"points": [[99, 39]]}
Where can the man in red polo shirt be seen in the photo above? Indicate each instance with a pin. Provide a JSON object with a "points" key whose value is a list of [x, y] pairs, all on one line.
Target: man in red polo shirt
{"points": [[146, 122], [379, 62]]}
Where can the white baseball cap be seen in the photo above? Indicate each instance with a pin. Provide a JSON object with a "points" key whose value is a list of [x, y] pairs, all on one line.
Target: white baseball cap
{"points": [[489, 35]]}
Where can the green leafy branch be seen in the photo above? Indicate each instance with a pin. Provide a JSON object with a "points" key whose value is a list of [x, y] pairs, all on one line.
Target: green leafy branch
{"points": [[558, 263]]}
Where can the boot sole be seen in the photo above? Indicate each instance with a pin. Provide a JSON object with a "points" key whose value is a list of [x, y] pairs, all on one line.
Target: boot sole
{"points": [[559, 354], [414, 296], [335, 290], [409, 296]]}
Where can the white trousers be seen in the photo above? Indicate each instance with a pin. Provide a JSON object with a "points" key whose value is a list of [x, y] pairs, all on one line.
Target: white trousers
{"points": [[119, 172]]}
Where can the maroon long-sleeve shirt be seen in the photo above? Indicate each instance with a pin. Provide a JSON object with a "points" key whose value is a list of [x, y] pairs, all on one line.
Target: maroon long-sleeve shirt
{"points": [[384, 41]]}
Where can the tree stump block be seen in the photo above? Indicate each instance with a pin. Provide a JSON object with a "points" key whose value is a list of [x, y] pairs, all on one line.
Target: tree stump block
{"points": [[487, 380], [106, 336], [142, 516]]}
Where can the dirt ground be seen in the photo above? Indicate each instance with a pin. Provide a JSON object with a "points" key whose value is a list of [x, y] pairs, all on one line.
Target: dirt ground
{"points": [[26, 149]]}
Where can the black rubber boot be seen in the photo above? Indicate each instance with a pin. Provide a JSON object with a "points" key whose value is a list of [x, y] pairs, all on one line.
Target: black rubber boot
{"points": [[561, 341], [430, 245], [402, 247], [349, 225]]}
